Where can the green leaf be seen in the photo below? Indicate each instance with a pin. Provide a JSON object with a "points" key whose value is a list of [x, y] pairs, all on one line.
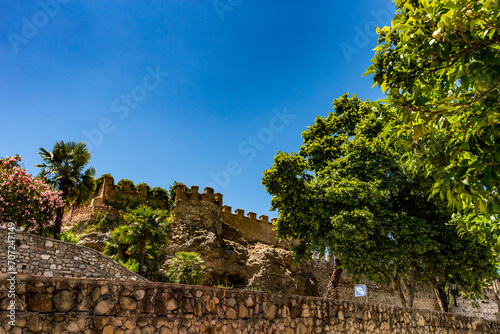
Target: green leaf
{"points": [[369, 70]]}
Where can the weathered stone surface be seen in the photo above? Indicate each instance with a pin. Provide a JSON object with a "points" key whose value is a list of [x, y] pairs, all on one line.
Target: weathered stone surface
{"points": [[105, 306], [95, 240], [172, 304], [100, 322], [72, 327], [242, 312], [138, 294], [212, 312], [229, 257], [146, 305], [109, 329], [269, 311], [39, 302], [86, 305], [48, 257], [231, 313], [64, 300], [127, 303]]}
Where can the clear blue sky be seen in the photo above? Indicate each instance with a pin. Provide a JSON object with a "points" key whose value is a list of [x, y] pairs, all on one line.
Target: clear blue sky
{"points": [[200, 92]]}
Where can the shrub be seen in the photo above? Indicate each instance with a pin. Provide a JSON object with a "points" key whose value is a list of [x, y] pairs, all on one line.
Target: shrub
{"points": [[26, 201], [186, 268], [69, 236]]}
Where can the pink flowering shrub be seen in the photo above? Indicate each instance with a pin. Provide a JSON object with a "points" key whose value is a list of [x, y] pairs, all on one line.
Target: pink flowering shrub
{"points": [[28, 202]]}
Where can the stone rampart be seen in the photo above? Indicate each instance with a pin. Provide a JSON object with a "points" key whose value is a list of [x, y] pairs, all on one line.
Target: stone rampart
{"points": [[250, 227], [181, 194], [86, 213], [41, 256], [52, 305]]}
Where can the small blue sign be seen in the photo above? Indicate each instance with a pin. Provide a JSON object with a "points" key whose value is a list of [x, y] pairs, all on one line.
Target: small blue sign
{"points": [[360, 290]]}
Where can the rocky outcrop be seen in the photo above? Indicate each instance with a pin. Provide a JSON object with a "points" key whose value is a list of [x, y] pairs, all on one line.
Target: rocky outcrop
{"points": [[231, 259], [95, 240]]}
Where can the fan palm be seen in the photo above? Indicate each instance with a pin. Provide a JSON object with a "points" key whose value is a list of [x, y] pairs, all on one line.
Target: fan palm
{"points": [[64, 167], [186, 268], [147, 229]]}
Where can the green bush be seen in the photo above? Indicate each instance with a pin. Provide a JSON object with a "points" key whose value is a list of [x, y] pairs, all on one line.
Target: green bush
{"points": [[69, 236], [186, 268], [131, 264], [103, 221]]}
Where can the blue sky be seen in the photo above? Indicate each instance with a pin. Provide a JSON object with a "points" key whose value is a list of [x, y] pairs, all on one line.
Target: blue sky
{"points": [[202, 92]]}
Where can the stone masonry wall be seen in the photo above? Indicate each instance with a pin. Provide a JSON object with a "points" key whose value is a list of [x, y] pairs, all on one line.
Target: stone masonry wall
{"points": [[424, 295], [52, 305], [83, 214], [41, 256], [425, 298], [250, 227]]}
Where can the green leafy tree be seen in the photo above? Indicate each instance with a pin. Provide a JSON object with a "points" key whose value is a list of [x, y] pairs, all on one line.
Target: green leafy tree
{"points": [[439, 64], [142, 240], [186, 268], [64, 167], [346, 193]]}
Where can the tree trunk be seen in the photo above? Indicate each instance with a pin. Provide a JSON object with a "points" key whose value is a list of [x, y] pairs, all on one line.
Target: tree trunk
{"points": [[410, 286], [496, 295], [58, 222], [142, 252], [333, 286], [442, 298], [396, 284], [64, 187]]}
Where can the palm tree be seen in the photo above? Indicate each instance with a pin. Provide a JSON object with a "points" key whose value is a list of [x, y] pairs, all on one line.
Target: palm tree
{"points": [[147, 229], [186, 268], [65, 168]]}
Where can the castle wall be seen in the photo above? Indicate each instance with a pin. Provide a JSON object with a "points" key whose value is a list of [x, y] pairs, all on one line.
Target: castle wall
{"points": [[191, 207], [84, 214], [54, 305], [424, 295], [250, 227], [425, 298], [485, 308], [39, 256]]}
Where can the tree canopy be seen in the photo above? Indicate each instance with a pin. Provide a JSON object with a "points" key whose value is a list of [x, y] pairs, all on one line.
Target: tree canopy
{"points": [[64, 167], [439, 63], [141, 242], [346, 193]]}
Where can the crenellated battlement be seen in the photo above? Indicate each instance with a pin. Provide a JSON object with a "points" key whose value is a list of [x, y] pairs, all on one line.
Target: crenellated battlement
{"points": [[251, 217], [181, 194], [251, 228]]}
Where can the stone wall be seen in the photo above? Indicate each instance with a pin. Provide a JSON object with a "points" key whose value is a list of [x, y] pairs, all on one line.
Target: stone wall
{"points": [[112, 197], [41, 256], [83, 214], [243, 251], [485, 308], [250, 227], [271, 268], [425, 298], [379, 294], [51, 305]]}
